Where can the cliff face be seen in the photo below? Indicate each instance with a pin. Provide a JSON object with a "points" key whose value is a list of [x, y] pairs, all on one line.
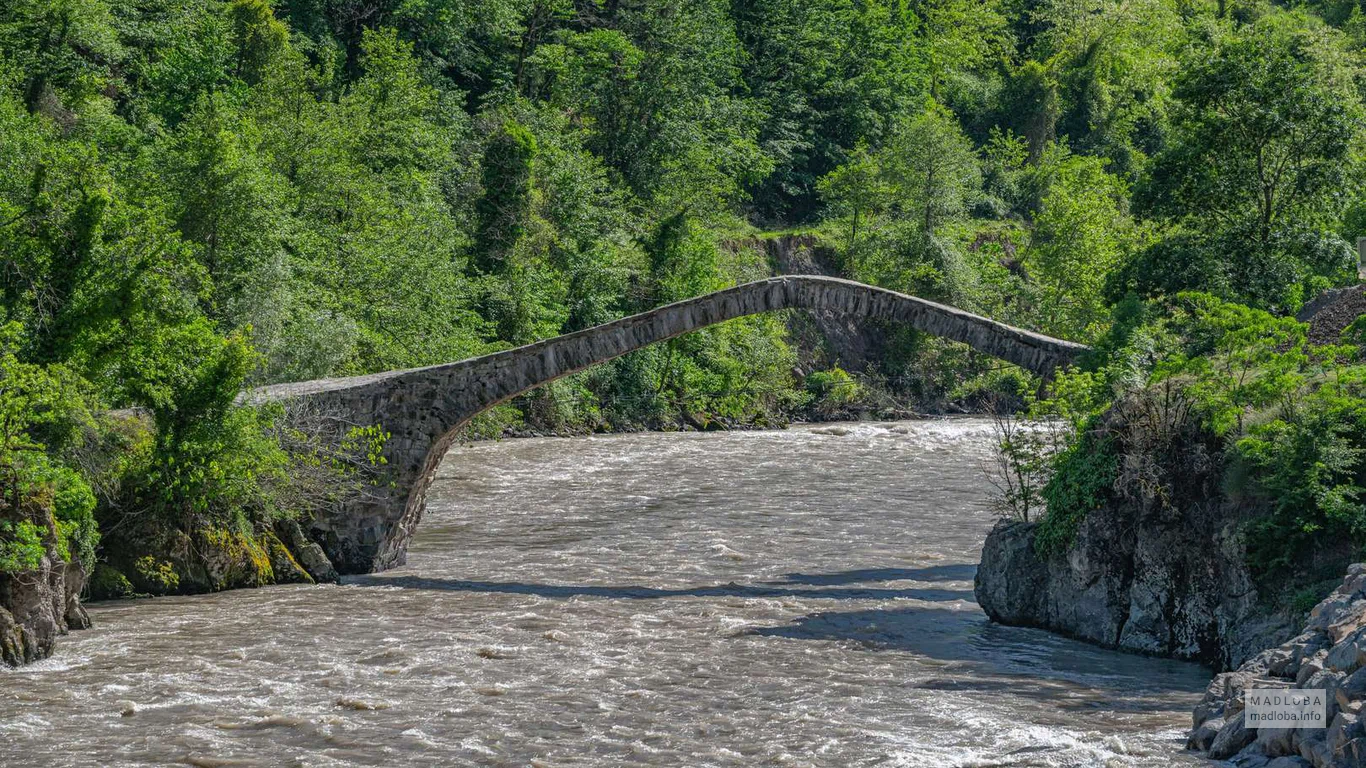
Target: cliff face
{"points": [[1180, 591], [37, 606]]}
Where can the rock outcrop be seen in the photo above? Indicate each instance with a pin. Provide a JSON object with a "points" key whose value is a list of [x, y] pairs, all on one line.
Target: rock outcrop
{"points": [[1176, 591], [38, 606], [149, 560], [1158, 567], [1330, 654], [1331, 313]]}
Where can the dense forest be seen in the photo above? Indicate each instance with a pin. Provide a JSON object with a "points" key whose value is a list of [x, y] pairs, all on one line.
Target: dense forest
{"points": [[198, 196]]}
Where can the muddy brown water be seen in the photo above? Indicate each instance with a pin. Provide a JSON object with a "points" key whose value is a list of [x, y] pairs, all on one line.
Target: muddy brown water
{"points": [[796, 598]]}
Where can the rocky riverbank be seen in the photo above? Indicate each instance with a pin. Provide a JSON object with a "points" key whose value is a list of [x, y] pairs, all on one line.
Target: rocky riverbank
{"points": [[38, 606], [158, 562], [1330, 654]]}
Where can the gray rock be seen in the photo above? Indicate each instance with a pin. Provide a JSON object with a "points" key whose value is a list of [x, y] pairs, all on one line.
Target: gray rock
{"points": [[1250, 758], [1203, 736], [1276, 661], [1011, 581], [1352, 753], [1311, 666], [1346, 728], [1231, 739], [1339, 668], [38, 607], [1348, 654], [1275, 742], [1350, 692], [1314, 748], [308, 553]]}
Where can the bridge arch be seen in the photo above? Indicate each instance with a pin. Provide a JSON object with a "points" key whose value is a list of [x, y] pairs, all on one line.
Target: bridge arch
{"points": [[423, 409]]}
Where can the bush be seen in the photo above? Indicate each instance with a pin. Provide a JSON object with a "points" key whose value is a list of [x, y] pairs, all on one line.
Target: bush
{"points": [[1307, 466], [21, 546], [38, 494], [1355, 335], [1083, 481], [834, 387], [158, 576], [108, 583]]}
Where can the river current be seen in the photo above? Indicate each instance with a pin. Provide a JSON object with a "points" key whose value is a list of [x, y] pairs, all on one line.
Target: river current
{"points": [[789, 598]]}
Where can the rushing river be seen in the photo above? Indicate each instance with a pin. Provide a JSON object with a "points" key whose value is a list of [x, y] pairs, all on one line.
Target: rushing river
{"points": [[762, 598]]}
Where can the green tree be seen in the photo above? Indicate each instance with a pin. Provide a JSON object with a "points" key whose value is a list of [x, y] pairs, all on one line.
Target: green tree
{"points": [[1263, 150], [44, 505], [1081, 234], [856, 189], [502, 210], [932, 168]]}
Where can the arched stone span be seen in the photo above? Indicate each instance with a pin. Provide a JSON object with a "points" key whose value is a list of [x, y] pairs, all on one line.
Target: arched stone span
{"points": [[423, 408]]}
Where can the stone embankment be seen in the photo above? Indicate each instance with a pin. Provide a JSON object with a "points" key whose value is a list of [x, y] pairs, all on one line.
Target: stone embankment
{"points": [[1330, 654]]}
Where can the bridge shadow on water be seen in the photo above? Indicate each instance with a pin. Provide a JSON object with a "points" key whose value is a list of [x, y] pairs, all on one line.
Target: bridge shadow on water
{"points": [[979, 656], [955, 572]]}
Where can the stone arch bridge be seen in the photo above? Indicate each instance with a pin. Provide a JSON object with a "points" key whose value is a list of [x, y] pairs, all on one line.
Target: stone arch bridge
{"points": [[423, 409]]}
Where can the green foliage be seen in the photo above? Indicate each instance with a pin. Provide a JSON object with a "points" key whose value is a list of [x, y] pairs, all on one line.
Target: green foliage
{"points": [[108, 583], [1082, 482], [931, 167], [158, 575], [502, 210], [40, 497], [834, 387], [1238, 359], [21, 546], [1307, 464], [211, 459], [1355, 335], [1253, 178], [1081, 234], [1024, 463], [1038, 474]]}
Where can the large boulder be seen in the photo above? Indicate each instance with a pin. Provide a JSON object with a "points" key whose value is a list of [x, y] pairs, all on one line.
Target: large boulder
{"points": [[1158, 566]]}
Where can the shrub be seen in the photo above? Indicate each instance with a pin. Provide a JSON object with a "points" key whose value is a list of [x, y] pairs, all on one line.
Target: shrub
{"points": [[159, 576], [38, 494], [1355, 335], [833, 387], [21, 546], [108, 583], [1307, 465], [1083, 481]]}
